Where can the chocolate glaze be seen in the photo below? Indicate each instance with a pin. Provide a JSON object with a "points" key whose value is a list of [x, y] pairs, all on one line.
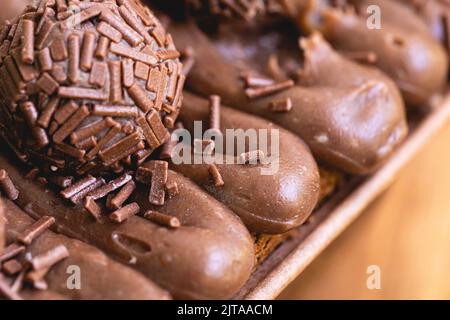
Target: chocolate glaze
{"points": [[9, 9], [209, 257], [119, 283], [266, 203], [351, 119], [415, 60]]}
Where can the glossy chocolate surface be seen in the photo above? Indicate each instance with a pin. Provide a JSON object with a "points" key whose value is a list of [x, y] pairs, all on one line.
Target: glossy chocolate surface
{"points": [[118, 283], [351, 119], [209, 257]]}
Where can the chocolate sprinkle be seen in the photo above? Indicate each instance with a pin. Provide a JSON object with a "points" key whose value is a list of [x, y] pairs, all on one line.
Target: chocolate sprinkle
{"points": [[162, 219], [125, 213], [8, 186], [61, 71], [35, 230]]}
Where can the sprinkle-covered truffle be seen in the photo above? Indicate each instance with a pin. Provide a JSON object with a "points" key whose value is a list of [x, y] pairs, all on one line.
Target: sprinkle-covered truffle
{"points": [[87, 85]]}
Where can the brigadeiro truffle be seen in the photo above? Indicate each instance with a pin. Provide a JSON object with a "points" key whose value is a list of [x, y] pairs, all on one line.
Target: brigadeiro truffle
{"points": [[87, 86]]}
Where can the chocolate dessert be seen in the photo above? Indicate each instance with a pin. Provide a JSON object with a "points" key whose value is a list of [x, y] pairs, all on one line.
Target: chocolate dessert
{"points": [[101, 104]]}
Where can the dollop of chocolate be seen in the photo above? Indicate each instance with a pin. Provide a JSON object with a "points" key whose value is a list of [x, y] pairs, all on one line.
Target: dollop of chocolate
{"points": [[88, 87]]}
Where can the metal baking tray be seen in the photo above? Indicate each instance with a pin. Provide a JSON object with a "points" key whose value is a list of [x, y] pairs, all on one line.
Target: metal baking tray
{"points": [[289, 260]]}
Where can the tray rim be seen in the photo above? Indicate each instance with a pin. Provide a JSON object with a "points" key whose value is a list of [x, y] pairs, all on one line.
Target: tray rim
{"points": [[350, 208]]}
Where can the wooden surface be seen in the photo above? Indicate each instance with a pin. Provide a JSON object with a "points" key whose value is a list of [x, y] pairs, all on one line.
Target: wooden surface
{"points": [[406, 232]]}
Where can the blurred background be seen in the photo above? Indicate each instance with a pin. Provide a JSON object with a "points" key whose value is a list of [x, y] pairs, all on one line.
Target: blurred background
{"points": [[406, 232]]}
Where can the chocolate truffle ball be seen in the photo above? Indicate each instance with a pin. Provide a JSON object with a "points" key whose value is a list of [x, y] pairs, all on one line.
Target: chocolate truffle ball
{"points": [[238, 9], [88, 86]]}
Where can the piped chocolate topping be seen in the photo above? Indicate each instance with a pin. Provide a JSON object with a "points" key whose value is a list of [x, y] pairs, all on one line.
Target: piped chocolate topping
{"points": [[84, 90]]}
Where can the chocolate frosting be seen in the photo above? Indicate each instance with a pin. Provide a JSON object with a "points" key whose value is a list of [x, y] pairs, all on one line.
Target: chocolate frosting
{"points": [[350, 119], [271, 203], [118, 283], [415, 60], [209, 257]]}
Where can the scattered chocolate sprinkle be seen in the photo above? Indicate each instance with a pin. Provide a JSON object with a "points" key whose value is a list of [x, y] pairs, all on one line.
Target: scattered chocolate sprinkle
{"points": [[134, 23], [93, 208], [35, 230], [102, 48], [144, 175], [159, 180], [6, 291], [214, 113], [117, 201], [141, 70], [36, 279], [162, 219], [59, 73], [91, 129], [168, 54], [8, 186], [258, 92], [140, 97], [119, 150], [123, 51], [125, 213], [70, 151], [49, 258], [215, 174], [47, 84], [76, 199], [98, 74], [115, 111], [62, 182], [65, 111], [109, 187], [284, 105], [256, 81], [58, 50], [252, 157], [11, 251], [115, 78], [74, 58], [111, 134], [127, 72], [30, 114], [73, 122], [47, 113], [12, 267], [78, 186], [28, 41], [87, 143], [131, 36], [111, 33], [87, 51], [157, 126]]}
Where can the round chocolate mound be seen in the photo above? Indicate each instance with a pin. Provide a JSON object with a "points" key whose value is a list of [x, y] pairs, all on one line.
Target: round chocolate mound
{"points": [[87, 86]]}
